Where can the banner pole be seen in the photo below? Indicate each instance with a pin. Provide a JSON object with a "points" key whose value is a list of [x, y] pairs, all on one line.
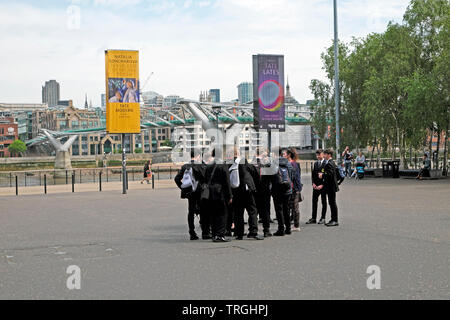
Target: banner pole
{"points": [[124, 166]]}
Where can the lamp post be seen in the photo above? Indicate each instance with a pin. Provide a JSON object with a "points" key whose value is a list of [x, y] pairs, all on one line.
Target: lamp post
{"points": [[336, 81], [216, 111]]}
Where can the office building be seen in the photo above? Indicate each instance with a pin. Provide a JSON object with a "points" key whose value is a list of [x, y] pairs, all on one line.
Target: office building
{"points": [[50, 93], [215, 95], [245, 92]]}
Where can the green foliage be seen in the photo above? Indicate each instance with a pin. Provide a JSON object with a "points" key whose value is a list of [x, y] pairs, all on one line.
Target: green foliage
{"points": [[394, 85], [167, 143], [138, 150], [17, 147]]}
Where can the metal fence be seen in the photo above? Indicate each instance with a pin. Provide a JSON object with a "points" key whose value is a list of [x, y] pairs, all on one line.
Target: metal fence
{"points": [[107, 174], [61, 177]]}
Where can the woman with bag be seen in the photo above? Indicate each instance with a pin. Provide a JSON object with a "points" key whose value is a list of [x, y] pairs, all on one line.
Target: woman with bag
{"points": [[147, 172]]}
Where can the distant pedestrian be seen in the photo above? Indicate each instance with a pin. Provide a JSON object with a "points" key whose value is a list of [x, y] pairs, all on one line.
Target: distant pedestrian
{"points": [[347, 155], [147, 172]]}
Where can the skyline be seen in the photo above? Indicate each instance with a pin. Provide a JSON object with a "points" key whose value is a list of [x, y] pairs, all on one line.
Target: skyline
{"points": [[189, 45]]}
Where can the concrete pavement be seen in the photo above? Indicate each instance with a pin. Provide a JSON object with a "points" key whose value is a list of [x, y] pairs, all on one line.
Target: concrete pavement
{"points": [[136, 246]]}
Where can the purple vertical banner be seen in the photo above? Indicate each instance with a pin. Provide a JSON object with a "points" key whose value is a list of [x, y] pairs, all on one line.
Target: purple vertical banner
{"points": [[268, 92]]}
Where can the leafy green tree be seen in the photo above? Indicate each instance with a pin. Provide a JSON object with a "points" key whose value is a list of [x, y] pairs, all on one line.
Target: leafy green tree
{"points": [[17, 147]]}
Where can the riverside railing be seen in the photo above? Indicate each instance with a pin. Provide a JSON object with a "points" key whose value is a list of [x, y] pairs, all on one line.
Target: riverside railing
{"points": [[31, 178]]}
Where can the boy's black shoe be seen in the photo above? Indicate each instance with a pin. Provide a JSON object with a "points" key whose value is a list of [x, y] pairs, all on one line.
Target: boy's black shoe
{"points": [[279, 233], [267, 234], [220, 239], [194, 237], [311, 221], [288, 232], [255, 236], [206, 237], [332, 224]]}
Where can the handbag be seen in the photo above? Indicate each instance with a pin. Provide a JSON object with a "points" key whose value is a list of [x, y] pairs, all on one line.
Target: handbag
{"points": [[204, 195]]}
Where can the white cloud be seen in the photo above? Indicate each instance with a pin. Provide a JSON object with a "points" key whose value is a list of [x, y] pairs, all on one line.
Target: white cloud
{"points": [[188, 48]]}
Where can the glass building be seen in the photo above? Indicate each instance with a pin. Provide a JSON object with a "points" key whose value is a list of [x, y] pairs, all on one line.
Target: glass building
{"points": [[245, 92]]}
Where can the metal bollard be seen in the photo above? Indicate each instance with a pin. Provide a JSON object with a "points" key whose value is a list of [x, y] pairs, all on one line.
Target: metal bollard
{"points": [[67, 178], [126, 177], [93, 174], [25, 176], [158, 173], [45, 184], [107, 176], [153, 181], [80, 175], [100, 181], [73, 181], [17, 187], [10, 179]]}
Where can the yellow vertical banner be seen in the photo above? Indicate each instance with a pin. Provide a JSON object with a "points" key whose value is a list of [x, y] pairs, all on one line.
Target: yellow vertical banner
{"points": [[122, 91]]}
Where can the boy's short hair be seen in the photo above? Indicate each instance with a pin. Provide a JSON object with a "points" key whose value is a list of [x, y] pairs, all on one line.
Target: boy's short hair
{"points": [[329, 152], [319, 151]]}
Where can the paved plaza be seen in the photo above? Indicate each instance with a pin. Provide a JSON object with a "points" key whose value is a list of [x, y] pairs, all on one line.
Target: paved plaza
{"points": [[136, 246]]}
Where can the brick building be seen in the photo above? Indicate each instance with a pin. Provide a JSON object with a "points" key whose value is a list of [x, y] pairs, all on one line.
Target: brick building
{"points": [[8, 134]]}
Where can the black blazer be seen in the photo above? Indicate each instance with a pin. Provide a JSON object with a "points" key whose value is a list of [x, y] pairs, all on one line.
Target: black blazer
{"points": [[220, 187], [330, 178], [198, 171], [246, 177], [317, 168]]}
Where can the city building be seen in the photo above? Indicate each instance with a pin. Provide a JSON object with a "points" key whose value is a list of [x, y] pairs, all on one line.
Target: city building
{"points": [[215, 95], [19, 107], [8, 134], [152, 99], [169, 101], [245, 92], [50, 93], [66, 103]]}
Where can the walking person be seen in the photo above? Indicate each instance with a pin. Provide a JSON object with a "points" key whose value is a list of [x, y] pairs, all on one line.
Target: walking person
{"points": [[281, 192], [318, 189], [188, 179], [216, 195], [296, 189], [347, 155], [147, 172], [331, 186]]}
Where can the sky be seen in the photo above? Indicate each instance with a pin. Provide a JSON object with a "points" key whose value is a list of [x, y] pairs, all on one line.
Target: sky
{"points": [[189, 45]]}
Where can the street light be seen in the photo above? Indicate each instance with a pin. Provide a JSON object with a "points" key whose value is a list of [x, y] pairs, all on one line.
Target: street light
{"points": [[216, 111], [336, 81]]}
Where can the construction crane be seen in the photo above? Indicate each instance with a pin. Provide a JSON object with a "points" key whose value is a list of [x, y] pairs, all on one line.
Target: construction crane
{"points": [[141, 98]]}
